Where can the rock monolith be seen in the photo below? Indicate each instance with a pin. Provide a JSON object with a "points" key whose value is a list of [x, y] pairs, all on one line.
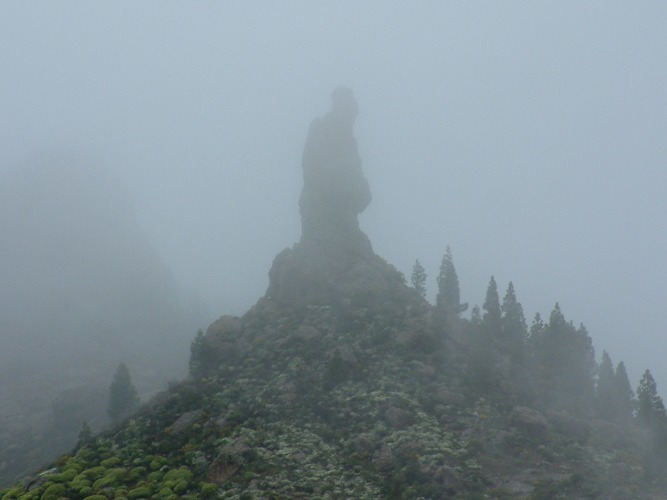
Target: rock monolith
{"points": [[334, 260]]}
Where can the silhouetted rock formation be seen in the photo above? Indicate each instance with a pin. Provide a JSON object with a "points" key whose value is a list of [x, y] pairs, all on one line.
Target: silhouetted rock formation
{"points": [[334, 260], [335, 190]]}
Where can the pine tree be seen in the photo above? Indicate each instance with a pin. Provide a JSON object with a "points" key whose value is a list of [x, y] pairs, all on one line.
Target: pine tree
{"points": [[85, 436], [481, 375], [513, 320], [566, 362], [123, 397], [650, 408], [513, 325], [605, 390], [536, 328], [536, 335], [625, 396], [448, 298], [492, 317], [514, 346], [202, 358], [419, 279], [476, 317]]}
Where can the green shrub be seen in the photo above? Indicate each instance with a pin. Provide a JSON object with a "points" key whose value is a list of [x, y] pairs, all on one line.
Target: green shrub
{"points": [[54, 491], [11, 493], [113, 477], [137, 473], [208, 489], [73, 464], [110, 462], [181, 486], [180, 473], [155, 477], [84, 490], [166, 493], [86, 455], [140, 492], [64, 477], [95, 472], [157, 463], [120, 493]]}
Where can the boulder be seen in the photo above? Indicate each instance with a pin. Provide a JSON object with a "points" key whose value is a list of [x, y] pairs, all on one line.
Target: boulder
{"points": [[529, 421]]}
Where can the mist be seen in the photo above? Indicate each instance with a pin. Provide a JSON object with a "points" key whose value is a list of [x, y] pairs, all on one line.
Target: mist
{"points": [[81, 290], [528, 137]]}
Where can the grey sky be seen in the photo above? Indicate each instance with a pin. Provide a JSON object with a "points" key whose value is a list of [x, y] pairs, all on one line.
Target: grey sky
{"points": [[529, 136]]}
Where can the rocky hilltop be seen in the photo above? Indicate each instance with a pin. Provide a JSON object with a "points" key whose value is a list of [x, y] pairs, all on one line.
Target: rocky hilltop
{"points": [[343, 382]]}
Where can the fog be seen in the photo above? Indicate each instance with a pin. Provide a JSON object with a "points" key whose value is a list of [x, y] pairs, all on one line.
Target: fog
{"points": [[530, 137]]}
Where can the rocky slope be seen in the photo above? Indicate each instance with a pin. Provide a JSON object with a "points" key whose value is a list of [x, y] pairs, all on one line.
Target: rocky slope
{"points": [[347, 402]]}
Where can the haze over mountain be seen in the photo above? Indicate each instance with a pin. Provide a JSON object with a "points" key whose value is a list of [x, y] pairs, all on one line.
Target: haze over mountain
{"points": [[343, 382], [81, 290], [529, 137]]}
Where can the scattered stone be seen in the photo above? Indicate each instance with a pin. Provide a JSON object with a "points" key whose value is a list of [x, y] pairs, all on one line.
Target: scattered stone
{"points": [[227, 462], [408, 451], [565, 423], [397, 418], [363, 445], [229, 327], [446, 396], [184, 422], [384, 459], [306, 333], [530, 421], [223, 337]]}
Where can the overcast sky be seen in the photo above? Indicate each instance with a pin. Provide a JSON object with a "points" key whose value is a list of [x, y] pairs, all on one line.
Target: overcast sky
{"points": [[529, 136]]}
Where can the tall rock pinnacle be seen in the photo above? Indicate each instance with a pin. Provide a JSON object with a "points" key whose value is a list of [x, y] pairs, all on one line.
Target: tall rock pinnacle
{"points": [[334, 261], [335, 190]]}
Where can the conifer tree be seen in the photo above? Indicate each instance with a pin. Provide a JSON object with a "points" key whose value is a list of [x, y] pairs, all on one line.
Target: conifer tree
{"points": [[650, 408], [202, 357], [566, 361], [536, 328], [584, 365], [492, 317], [419, 279], [476, 317], [535, 340], [605, 391], [513, 325], [513, 320], [514, 346], [480, 374], [85, 436], [625, 396], [448, 298], [651, 415], [123, 397]]}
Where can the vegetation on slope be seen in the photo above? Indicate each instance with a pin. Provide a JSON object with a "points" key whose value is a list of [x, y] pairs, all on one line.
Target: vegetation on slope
{"points": [[365, 400]]}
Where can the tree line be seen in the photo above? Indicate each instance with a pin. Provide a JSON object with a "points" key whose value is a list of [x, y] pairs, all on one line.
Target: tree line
{"points": [[549, 364]]}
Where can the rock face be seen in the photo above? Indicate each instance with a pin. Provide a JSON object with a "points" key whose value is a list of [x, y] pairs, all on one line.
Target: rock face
{"points": [[335, 190], [334, 260]]}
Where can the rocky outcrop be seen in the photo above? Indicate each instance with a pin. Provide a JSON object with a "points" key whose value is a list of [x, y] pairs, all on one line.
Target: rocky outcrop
{"points": [[334, 260], [335, 190]]}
